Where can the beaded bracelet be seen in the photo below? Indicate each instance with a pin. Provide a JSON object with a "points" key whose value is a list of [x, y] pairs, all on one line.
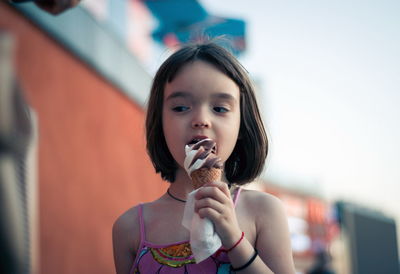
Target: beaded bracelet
{"points": [[246, 264]]}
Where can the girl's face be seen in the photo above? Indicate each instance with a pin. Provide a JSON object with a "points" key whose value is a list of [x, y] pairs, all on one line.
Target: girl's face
{"points": [[201, 102]]}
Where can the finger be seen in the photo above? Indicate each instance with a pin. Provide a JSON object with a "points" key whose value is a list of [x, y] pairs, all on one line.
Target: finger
{"points": [[209, 213], [209, 203], [222, 222], [212, 192], [222, 186], [223, 189]]}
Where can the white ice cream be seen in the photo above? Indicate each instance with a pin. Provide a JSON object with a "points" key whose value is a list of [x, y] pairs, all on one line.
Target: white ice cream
{"points": [[190, 154]]}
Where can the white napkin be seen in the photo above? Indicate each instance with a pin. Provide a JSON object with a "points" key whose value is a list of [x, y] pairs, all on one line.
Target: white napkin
{"points": [[204, 240]]}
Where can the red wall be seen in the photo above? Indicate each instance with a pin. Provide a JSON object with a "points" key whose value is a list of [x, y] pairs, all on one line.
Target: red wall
{"points": [[92, 159]]}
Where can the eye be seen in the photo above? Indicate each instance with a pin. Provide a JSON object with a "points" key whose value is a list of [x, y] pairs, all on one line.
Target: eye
{"points": [[180, 108], [220, 109]]}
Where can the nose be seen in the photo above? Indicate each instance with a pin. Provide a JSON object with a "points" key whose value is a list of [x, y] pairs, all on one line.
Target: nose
{"points": [[200, 125], [200, 120]]}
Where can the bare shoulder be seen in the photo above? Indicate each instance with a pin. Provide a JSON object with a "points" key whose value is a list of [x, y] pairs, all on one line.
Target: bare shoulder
{"points": [[272, 232], [127, 223], [126, 239], [268, 211], [261, 203]]}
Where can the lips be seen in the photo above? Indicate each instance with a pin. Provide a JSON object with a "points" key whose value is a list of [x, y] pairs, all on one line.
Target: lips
{"points": [[199, 140]]}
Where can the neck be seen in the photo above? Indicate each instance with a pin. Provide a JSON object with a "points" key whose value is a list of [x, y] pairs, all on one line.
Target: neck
{"points": [[174, 197], [182, 185]]}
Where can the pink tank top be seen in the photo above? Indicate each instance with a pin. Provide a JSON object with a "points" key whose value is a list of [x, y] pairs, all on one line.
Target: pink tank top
{"points": [[175, 257]]}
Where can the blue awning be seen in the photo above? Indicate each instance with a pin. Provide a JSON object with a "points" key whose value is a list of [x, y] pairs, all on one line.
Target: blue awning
{"points": [[187, 20]]}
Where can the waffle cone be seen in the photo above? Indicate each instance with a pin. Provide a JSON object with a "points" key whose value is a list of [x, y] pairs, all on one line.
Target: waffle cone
{"points": [[205, 175]]}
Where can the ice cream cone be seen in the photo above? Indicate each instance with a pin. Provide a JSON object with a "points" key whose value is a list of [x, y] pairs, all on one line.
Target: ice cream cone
{"points": [[205, 175]]}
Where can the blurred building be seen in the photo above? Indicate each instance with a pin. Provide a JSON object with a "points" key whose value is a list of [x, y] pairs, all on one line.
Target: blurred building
{"points": [[358, 240], [86, 73], [368, 241], [18, 184]]}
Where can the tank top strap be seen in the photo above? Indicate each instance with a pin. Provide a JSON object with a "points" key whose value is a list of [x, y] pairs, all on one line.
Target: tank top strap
{"points": [[236, 195], [141, 223]]}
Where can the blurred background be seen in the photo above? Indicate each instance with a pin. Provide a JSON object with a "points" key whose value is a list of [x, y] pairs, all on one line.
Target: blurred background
{"points": [[75, 76]]}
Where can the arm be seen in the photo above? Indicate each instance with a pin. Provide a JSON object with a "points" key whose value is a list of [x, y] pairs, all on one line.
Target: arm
{"points": [[124, 237], [272, 235], [272, 241]]}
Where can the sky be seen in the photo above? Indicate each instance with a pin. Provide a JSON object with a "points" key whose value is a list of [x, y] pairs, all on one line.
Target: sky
{"points": [[329, 77]]}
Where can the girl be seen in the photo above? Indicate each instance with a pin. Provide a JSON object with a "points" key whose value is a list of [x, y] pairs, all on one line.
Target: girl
{"points": [[202, 91]]}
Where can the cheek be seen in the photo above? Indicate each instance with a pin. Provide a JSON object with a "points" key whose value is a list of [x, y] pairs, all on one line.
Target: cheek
{"points": [[229, 133], [167, 131], [173, 129], [173, 137], [233, 127]]}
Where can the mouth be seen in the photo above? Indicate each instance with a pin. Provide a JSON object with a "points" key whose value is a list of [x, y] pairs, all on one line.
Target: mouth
{"points": [[198, 139], [194, 141]]}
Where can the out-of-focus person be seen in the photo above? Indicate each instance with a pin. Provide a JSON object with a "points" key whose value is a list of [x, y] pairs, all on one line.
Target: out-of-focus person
{"points": [[322, 264]]}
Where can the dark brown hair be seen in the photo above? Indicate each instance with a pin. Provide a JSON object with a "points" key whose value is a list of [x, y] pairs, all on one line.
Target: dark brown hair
{"points": [[248, 157]]}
